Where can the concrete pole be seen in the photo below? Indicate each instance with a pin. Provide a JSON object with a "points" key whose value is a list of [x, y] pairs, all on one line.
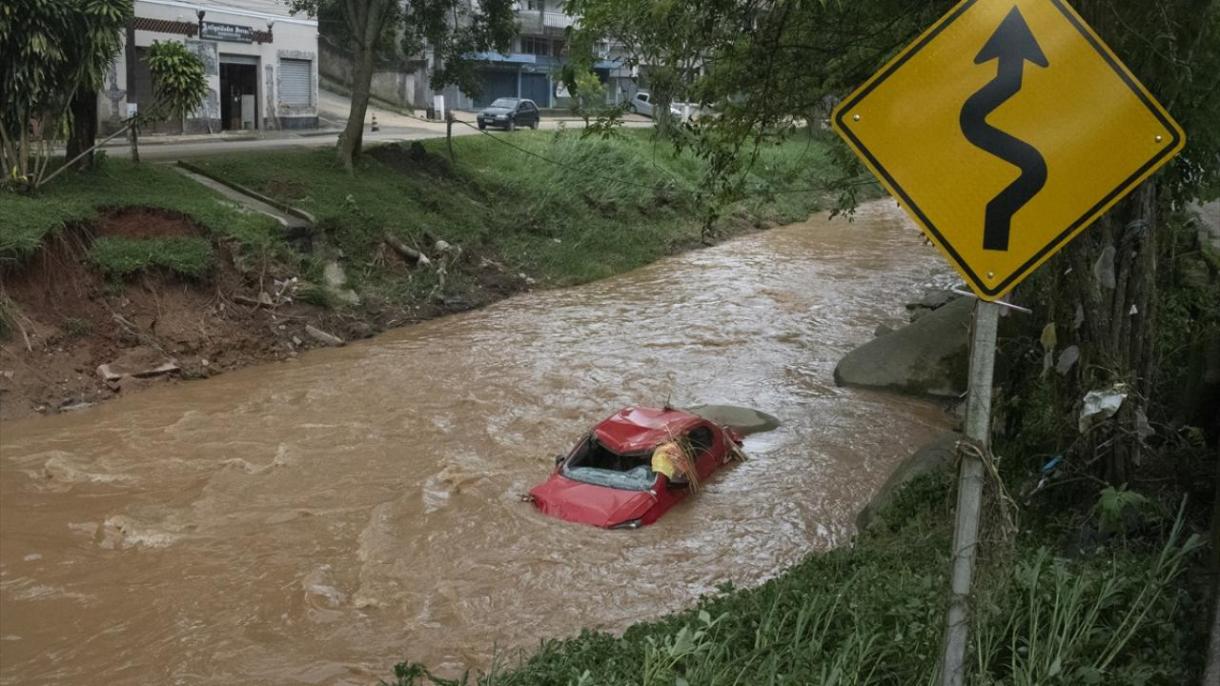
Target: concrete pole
{"points": [[969, 493]]}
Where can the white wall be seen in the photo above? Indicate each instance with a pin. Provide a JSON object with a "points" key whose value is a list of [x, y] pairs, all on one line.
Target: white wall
{"points": [[293, 38]]}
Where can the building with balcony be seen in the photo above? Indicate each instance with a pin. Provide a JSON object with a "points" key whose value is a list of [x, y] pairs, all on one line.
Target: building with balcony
{"points": [[530, 69]]}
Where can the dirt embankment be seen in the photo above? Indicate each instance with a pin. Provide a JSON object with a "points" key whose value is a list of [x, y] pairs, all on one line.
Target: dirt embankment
{"points": [[73, 337]]}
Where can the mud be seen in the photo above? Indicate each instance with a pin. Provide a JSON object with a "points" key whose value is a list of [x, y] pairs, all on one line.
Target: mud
{"points": [[314, 522], [67, 319]]}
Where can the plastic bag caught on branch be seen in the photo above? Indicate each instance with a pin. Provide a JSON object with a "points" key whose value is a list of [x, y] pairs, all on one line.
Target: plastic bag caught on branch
{"points": [[1099, 406]]}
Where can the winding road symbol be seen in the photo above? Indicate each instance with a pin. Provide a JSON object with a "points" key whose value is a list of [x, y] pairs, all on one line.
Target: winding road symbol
{"points": [[1000, 155], [1012, 44]]}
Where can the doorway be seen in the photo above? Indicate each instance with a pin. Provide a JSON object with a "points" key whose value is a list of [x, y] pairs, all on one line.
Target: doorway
{"points": [[238, 92]]}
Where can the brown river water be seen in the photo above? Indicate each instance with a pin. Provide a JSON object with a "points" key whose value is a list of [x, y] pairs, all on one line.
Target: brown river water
{"points": [[315, 521]]}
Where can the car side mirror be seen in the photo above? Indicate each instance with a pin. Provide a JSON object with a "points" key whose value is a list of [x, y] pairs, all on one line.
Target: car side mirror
{"points": [[559, 459]]}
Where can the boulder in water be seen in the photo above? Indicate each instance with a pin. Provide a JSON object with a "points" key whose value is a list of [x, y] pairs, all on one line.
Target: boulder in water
{"points": [[929, 356], [937, 455]]}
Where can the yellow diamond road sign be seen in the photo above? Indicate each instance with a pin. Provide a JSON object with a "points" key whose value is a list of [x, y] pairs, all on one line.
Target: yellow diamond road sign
{"points": [[1005, 130]]}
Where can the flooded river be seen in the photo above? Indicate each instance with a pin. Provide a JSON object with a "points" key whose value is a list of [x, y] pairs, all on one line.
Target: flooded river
{"points": [[313, 522]]}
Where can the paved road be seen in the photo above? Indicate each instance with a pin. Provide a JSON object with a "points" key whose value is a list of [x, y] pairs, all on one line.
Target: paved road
{"points": [[395, 127]]}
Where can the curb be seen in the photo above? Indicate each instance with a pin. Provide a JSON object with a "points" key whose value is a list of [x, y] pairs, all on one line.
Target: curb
{"points": [[283, 207]]}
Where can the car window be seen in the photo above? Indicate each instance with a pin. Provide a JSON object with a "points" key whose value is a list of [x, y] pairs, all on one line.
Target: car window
{"points": [[643, 97], [701, 440], [505, 102]]}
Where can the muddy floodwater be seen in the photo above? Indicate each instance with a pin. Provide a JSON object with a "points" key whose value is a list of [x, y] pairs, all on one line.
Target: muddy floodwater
{"points": [[312, 522]]}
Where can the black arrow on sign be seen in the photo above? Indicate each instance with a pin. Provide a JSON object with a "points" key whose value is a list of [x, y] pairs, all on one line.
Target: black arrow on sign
{"points": [[1012, 44]]}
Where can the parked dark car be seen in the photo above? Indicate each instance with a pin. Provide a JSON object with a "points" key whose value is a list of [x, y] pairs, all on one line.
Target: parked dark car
{"points": [[509, 113]]}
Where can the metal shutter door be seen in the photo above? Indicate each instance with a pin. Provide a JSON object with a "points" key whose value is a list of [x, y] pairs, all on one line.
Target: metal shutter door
{"points": [[296, 82]]}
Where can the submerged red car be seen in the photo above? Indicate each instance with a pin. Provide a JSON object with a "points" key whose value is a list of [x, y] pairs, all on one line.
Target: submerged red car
{"points": [[607, 480]]}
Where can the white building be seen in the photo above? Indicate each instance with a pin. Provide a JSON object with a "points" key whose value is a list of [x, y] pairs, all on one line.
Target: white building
{"points": [[261, 65]]}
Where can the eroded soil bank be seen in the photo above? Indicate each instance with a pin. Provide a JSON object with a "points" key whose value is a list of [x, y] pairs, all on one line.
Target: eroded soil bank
{"points": [[77, 336], [319, 520]]}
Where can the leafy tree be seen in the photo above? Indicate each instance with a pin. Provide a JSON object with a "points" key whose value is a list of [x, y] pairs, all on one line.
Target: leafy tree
{"points": [[50, 51], [179, 82], [179, 87], [453, 29], [588, 95]]}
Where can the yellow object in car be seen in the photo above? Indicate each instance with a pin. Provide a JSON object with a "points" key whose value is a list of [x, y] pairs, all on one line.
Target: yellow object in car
{"points": [[664, 458]]}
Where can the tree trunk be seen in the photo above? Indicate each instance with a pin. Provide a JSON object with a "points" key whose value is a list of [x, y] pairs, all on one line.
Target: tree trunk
{"points": [[84, 128], [367, 20], [134, 131], [1113, 281], [351, 140]]}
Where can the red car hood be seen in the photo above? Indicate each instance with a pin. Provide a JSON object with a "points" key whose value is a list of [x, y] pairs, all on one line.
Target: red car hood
{"points": [[575, 501]]}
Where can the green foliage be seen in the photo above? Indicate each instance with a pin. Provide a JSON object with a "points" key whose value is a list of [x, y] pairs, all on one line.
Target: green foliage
{"points": [[764, 71], [588, 94], [591, 208], [49, 50], [178, 79], [1110, 619], [119, 257], [1119, 510]]}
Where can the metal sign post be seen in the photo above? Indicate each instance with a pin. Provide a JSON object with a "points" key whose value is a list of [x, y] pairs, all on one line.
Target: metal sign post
{"points": [[970, 490]]}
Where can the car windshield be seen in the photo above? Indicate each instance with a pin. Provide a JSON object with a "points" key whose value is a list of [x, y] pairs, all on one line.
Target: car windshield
{"points": [[506, 103], [593, 463]]}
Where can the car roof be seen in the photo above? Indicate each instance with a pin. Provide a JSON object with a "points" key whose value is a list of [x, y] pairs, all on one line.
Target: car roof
{"points": [[636, 429]]}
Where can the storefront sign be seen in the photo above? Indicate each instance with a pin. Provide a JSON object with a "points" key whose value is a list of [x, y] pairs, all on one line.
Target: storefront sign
{"points": [[230, 33]]}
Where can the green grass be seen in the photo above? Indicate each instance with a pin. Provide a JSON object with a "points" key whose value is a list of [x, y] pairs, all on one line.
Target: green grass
{"points": [[605, 207], [873, 614], [119, 257], [25, 221], [557, 207]]}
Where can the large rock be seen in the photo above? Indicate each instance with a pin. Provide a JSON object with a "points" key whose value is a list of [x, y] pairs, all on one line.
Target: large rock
{"points": [[743, 420], [937, 455], [1209, 228], [929, 356]]}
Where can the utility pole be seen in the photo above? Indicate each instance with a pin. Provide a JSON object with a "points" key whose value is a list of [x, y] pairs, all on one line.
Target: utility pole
{"points": [[970, 491]]}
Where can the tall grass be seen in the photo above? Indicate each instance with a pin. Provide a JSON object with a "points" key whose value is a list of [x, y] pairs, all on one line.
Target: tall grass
{"points": [[873, 615], [561, 208], [1059, 621]]}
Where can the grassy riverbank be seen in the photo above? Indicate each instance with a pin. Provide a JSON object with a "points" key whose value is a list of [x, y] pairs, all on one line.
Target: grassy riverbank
{"points": [[556, 207], [1049, 610], [90, 264]]}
